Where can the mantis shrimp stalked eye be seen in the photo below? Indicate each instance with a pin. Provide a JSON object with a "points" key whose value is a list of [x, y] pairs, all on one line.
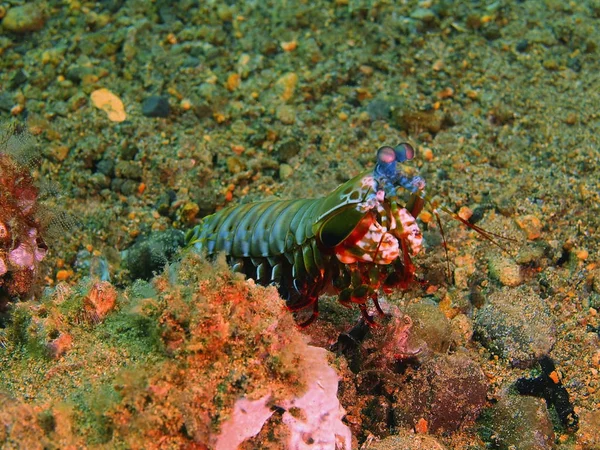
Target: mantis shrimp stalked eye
{"points": [[359, 239]]}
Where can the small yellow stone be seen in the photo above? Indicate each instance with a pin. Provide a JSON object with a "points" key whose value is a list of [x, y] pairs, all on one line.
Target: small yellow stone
{"points": [[109, 103], [287, 85], [233, 82]]}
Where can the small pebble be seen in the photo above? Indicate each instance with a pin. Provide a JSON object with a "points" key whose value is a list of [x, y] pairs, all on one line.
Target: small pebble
{"points": [[379, 109], [156, 106], [550, 64], [59, 346], [235, 165], [286, 85], [504, 270], [287, 114], [430, 325], [287, 149], [571, 119], [465, 212], [24, 19], [285, 171], [522, 45], [531, 225], [423, 14], [233, 82], [109, 103], [428, 154], [188, 213]]}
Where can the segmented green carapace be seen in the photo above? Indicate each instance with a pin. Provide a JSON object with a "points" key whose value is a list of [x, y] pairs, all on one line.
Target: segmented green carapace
{"points": [[355, 241]]}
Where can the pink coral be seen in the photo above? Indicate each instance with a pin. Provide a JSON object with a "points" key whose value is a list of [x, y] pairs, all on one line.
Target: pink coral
{"points": [[313, 420]]}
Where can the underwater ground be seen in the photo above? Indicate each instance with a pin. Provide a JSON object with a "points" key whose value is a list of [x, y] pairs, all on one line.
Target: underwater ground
{"points": [[142, 117]]}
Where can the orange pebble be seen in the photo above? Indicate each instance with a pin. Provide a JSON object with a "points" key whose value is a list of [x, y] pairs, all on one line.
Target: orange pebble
{"points": [[445, 93], [233, 81], [111, 104], [238, 149], [141, 188], [425, 217], [289, 46], [62, 275], [421, 426], [465, 212], [186, 104], [428, 154]]}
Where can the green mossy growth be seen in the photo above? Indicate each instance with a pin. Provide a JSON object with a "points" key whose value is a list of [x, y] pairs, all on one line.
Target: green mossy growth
{"points": [[24, 335], [168, 361]]}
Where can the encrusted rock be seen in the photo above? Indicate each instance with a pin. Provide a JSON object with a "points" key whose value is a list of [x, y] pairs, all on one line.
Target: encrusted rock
{"points": [[430, 325], [516, 324], [519, 422], [445, 393]]}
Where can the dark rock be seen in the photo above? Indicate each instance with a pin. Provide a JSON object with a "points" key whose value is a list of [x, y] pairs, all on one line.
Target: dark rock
{"points": [[574, 64], [163, 204], [128, 169], [150, 253], [127, 187], [516, 325], [191, 61], [549, 387], [19, 78], [156, 106], [522, 45], [491, 32], [448, 392], [6, 101], [288, 148], [76, 72], [116, 184], [128, 152], [376, 416], [112, 5], [106, 167]]}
